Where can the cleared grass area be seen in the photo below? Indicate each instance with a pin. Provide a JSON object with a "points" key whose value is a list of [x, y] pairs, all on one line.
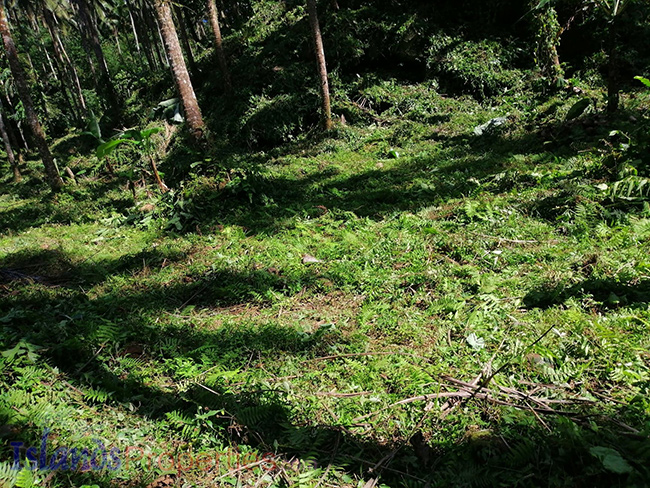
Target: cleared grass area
{"points": [[407, 303]]}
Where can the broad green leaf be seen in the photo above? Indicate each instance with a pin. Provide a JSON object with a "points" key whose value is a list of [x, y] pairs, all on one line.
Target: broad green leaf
{"points": [[578, 109], [93, 126], [611, 459], [643, 80], [110, 146], [145, 134], [169, 103], [133, 134]]}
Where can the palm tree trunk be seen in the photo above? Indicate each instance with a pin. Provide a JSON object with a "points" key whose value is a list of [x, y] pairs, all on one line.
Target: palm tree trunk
{"points": [[322, 65], [89, 31], [164, 59], [182, 31], [612, 69], [63, 65], [141, 34], [10, 153], [53, 177], [179, 70], [72, 70], [213, 14]]}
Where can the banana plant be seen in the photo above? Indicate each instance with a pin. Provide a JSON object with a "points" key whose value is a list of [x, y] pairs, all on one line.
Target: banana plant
{"points": [[142, 139]]}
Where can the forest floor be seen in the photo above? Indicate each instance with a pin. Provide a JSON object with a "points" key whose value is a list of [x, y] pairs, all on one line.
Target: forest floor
{"points": [[400, 304]]}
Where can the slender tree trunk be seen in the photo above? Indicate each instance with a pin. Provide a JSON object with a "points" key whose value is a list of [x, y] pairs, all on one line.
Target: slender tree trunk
{"points": [[322, 66], [181, 76], [53, 177], [164, 58], [53, 70], [612, 69], [88, 30], [72, 70], [141, 34], [19, 129], [192, 27], [68, 81], [116, 36], [133, 28], [218, 45], [10, 153], [182, 31]]}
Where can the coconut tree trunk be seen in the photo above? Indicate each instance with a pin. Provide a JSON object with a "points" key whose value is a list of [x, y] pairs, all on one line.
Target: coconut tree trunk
{"points": [[72, 70], [141, 34], [612, 69], [179, 70], [164, 59], [89, 31], [322, 66], [10, 153], [53, 177], [68, 73], [185, 41], [213, 14]]}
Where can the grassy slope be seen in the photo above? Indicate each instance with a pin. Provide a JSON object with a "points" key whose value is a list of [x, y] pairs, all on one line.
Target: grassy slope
{"points": [[212, 339]]}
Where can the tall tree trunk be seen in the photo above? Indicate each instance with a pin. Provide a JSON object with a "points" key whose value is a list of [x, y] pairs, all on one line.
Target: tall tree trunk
{"points": [[322, 66], [182, 30], [179, 70], [53, 177], [10, 153], [90, 33], [72, 70], [612, 68], [68, 82], [141, 34], [164, 59], [213, 13]]}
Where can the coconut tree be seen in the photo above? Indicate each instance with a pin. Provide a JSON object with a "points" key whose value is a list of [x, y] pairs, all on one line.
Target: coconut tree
{"points": [[8, 149], [90, 38], [213, 15], [179, 69], [319, 51], [613, 10], [53, 177]]}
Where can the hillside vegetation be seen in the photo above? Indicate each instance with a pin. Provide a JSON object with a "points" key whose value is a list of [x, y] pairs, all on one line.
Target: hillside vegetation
{"points": [[449, 287]]}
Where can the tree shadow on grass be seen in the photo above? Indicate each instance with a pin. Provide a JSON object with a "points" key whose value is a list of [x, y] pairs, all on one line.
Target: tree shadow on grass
{"points": [[84, 335], [606, 293]]}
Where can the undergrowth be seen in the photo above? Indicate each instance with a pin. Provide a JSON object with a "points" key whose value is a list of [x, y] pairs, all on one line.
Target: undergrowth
{"points": [[303, 310]]}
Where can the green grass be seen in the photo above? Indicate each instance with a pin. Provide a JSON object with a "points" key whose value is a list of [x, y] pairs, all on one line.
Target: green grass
{"points": [[442, 256]]}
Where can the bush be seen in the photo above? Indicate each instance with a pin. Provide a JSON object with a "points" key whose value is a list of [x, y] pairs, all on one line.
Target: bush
{"points": [[481, 68]]}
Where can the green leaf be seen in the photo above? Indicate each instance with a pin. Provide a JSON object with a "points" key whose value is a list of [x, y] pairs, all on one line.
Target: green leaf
{"points": [[169, 102], [542, 4], [93, 126], [25, 479], [108, 147], [611, 459], [578, 109], [133, 134], [643, 80], [147, 133]]}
